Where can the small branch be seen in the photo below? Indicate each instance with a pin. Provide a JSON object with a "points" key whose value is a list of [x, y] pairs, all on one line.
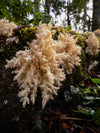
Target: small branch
{"points": [[71, 118]]}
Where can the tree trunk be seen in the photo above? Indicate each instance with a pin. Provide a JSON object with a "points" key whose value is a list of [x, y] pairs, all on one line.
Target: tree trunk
{"points": [[96, 15], [68, 14], [47, 5], [84, 19]]}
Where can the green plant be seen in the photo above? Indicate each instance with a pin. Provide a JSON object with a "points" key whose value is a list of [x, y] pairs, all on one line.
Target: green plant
{"points": [[38, 16], [86, 100]]}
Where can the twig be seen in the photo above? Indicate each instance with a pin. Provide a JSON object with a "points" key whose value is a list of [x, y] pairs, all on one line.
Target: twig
{"points": [[71, 118], [93, 130]]}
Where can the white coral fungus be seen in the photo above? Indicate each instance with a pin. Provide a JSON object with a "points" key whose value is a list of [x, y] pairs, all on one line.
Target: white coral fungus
{"points": [[43, 65], [93, 64], [97, 32], [13, 39], [93, 44], [6, 28]]}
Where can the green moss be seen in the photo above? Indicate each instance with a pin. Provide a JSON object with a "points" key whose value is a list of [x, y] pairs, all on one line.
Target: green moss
{"points": [[25, 35], [11, 50], [58, 31], [28, 34]]}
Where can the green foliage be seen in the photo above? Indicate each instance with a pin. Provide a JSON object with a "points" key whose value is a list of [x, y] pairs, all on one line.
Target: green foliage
{"points": [[77, 9], [96, 80], [7, 15], [85, 100], [43, 17], [90, 96], [56, 6], [78, 4], [96, 117], [46, 18], [85, 110], [38, 16], [16, 10], [68, 28]]}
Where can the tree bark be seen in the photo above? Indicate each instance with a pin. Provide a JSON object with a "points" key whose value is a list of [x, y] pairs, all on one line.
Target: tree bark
{"points": [[68, 14], [96, 15], [47, 5]]}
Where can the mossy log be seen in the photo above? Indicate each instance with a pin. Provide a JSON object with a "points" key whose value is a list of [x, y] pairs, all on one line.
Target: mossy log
{"points": [[10, 107]]}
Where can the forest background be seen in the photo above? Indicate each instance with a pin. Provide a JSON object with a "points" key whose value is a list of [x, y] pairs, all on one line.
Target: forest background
{"points": [[76, 12]]}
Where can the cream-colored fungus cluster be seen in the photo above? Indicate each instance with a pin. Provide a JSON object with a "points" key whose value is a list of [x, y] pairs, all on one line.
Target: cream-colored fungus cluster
{"points": [[6, 28], [97, 32], [93, 44], [44, 64]]}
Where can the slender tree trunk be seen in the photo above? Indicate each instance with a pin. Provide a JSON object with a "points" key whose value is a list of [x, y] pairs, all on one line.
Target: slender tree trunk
{"points": [[68, 18], [68, 14], [84, 19], [96, 15], [47, 5]]}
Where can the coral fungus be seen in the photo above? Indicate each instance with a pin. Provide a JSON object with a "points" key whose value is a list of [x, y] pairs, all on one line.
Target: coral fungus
{"points": [[97, 32], [43, 64], [93, 45], [6, 28]]}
